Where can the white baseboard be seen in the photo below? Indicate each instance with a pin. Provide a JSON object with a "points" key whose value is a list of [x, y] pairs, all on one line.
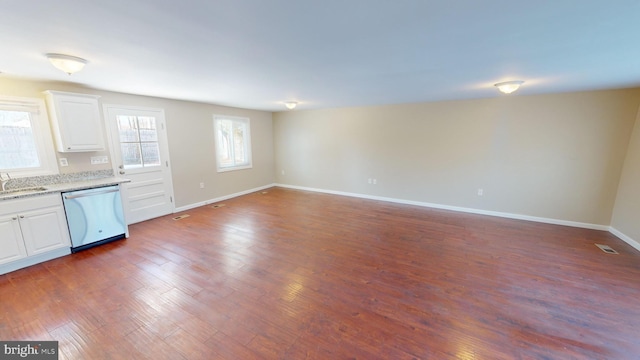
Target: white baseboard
{"points": [[35, 259], [625, 238], [221, 198], [610, 229], [456, 208]]}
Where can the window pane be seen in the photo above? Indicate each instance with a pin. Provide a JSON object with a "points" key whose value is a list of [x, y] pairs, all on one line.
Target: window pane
{"points": [[26, 147], [128, 128], [233, 143], [139, 141], [18, 148], [238, 144], [151, 154], [131, 155], [224, 146], [148, 130]]}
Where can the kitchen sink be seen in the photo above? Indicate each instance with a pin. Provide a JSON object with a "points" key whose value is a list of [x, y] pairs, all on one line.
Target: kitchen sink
{"points": [[23, 191]]}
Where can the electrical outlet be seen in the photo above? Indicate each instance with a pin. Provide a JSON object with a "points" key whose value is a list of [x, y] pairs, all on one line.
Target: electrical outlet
{"points": [[63, 162], [370, 181], [480, 192], [201, 185], [282, 172], [375, 181]]}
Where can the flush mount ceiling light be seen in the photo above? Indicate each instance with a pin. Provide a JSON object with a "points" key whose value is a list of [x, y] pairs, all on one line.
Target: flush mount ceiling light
{"points": [[291, 105], [508, 87], [67, 63]]}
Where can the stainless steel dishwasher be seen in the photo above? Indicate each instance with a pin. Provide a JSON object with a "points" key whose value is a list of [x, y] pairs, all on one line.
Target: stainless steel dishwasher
{"points": [[94, 216]]}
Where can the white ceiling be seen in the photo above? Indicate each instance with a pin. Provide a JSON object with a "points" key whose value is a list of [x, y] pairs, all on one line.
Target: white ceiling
{"points": [[257, 54]]}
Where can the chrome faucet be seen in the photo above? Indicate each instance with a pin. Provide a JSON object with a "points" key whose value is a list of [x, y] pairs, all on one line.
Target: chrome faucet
{"points": [[4, 181]]}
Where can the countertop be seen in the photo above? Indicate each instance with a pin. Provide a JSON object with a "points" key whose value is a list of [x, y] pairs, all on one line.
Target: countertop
{"points": [[68, 186]]}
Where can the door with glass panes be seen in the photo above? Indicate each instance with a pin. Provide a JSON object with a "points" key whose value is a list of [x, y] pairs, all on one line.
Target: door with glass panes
{"points": [[140, 153]]}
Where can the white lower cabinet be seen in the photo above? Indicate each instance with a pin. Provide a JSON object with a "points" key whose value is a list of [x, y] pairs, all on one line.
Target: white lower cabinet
{"points": [[32, 230], [11, 243]]}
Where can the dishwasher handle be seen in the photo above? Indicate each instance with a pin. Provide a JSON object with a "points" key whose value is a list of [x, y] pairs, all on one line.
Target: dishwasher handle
{"points": [[72, 196]]}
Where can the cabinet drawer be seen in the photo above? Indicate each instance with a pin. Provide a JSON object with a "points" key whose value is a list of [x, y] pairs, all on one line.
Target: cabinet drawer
{"points": [[16, 206]]}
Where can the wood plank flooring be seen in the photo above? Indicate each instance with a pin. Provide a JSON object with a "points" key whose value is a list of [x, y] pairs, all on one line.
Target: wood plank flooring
{"points": [[295, 275]]}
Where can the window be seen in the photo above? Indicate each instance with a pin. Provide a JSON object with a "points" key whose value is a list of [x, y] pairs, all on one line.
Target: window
{"points": [[26, 148], [233, 143], [138, 141]]}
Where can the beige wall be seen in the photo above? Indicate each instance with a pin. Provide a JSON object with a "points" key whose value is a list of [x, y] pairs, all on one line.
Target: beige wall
{"points": [[626, 214], [555, 156], [190, 136]]}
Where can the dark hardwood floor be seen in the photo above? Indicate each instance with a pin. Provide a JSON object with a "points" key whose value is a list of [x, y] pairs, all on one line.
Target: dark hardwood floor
{"points": [[294, 275]]}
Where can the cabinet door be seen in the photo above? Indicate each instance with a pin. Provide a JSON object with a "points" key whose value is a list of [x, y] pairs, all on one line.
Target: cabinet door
{"points": [[11, 244], [77, 121], [44, 230]]}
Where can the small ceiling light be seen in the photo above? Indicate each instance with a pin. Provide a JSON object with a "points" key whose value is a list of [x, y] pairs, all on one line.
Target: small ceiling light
{"points": [[508, 87], [67, 63], [291, 105]]}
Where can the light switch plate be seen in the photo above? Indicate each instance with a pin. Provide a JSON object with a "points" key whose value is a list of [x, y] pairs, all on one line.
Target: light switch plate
{"points": [[95, 160]]}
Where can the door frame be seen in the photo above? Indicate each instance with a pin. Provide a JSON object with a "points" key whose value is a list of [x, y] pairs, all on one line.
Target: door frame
{"points": [[164, 143]]}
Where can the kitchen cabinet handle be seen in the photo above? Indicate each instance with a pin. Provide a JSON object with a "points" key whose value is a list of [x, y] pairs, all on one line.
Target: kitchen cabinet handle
{"points": [[90, 194], [21, 216], [14, 218], [121, 172]]}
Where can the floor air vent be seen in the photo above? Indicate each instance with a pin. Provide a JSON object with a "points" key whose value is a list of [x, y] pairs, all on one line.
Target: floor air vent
{"points": [[181, 217], [218, 206], [606, 248]]}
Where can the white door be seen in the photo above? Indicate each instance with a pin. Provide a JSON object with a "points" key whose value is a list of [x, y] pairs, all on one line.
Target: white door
{"points": [[139, 152]]}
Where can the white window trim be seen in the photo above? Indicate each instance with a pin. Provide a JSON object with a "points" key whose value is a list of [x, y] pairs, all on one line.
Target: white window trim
{"points": [[219, 168], [41, 132]]}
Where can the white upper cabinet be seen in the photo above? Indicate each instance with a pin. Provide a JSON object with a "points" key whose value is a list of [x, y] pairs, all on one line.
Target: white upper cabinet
{"points": [[76, 121]]}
